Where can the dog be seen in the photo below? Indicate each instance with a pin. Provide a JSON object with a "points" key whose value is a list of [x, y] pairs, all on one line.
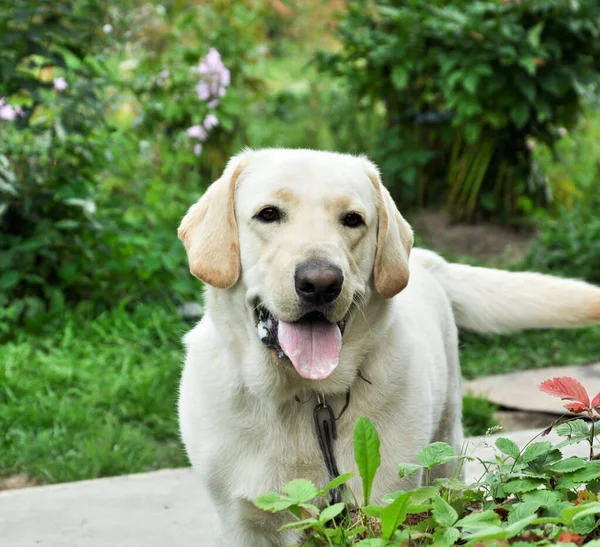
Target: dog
{"points": [[314, 295]]}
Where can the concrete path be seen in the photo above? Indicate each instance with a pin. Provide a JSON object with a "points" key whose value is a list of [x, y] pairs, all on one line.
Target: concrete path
{"points": [[160, 509]]}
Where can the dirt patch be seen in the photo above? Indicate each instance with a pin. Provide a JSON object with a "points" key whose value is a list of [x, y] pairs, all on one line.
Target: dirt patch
{"points": [[484, 241], [17, 481]]}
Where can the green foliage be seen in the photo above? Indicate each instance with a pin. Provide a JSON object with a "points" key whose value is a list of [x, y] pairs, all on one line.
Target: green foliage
{"points": [[569, 243], [100, 168], [366, 451], [95, 398], [160, 75], [464, 86], [525, 497], [51, 151]]}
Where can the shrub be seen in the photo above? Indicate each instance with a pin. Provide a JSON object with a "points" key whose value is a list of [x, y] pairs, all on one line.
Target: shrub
{"points": [[569, 244], [464, 86], [190, 71], [529, 496], [51, 152]]}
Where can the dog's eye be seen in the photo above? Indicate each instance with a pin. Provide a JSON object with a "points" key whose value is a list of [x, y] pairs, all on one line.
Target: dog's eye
{"points": [[269, 214], [352, 220]]}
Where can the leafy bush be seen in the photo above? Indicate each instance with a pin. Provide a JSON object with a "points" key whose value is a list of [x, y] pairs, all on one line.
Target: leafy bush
{"points": [[51, 152], [465, 86], [81, 113], [569, 243], [529, 496], [186, 97]]}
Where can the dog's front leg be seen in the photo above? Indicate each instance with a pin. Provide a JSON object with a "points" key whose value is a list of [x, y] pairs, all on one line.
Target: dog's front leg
{"points": [[242, 524]]}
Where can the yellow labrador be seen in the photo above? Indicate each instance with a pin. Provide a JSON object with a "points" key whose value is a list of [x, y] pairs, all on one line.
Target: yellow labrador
{"points": [[311, 296]]}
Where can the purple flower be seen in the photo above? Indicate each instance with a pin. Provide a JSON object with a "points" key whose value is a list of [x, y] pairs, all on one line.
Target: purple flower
{"points": [[197, 132], [210, 121], [197, 149], [60, 84], [203, 91], [7, 112], [213, 104], [214, 77]]}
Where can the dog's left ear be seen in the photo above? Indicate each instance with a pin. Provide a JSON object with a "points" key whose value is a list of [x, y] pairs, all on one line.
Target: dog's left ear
{"points": [[209, 232], [394, 242]]}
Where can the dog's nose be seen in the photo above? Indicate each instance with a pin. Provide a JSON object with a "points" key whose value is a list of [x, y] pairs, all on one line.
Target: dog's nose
{"points": [[318, 282]]}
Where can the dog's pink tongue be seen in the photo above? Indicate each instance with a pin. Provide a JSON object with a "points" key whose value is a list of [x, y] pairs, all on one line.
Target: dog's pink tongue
{"points": [[313, 348]]}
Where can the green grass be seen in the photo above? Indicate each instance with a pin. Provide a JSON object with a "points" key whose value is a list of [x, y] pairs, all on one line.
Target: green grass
{"points": [[95, 398], [485, 355]]}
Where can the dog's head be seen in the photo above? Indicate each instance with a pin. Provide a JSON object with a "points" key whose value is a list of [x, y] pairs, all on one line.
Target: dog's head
{"points": [[309, 236]]}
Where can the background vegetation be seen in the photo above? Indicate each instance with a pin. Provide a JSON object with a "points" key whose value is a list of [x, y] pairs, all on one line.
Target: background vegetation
{"points": [[115, 116]]}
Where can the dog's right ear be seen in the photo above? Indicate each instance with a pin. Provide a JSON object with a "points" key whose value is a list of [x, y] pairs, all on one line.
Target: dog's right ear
{"points": [[209, 231]]}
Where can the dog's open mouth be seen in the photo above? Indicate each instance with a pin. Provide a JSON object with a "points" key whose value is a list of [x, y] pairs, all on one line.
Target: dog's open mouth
{"points": [[312, 344]]}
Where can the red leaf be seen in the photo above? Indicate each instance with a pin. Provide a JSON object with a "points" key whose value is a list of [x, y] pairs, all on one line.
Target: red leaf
{"points": [[576, 408], [570, 537], [596, 402], [567, 389]]}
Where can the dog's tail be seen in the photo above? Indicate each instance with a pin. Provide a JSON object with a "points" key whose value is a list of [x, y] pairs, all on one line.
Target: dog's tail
{"points": [[496, 301]]}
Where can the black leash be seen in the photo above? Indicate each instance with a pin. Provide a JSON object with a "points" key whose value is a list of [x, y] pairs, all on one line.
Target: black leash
{"points": [[326, 434]]}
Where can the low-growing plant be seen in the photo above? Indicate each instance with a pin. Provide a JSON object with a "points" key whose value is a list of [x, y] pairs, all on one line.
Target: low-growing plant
{"points": [[524, 496]]}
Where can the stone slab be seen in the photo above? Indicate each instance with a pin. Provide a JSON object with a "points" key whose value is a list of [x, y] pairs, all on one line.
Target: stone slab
{"points": [[519, 390], [155, 509]]}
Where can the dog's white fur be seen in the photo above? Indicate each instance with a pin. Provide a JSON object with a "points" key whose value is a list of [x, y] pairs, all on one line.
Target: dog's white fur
{"points": [[242, 427]]}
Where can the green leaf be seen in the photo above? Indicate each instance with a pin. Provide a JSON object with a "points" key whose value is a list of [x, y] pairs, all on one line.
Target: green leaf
{"points": [[517, 527], [408, 469], [584, 475], [399, 77], [366, 454], [522, 485], [470, 82], [475, 521], [331, 512], [443, 513], [508, 447], [577, 430], [519, 114], [569, 465], [445, 537], [373, 511], [9, 279], [334, 483], [301, 490], [435, 454], [273, 502], [528, 63], [522, 510], [534, 35], [535, 450], [544, 498], [393, 515], [576, 512]]}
